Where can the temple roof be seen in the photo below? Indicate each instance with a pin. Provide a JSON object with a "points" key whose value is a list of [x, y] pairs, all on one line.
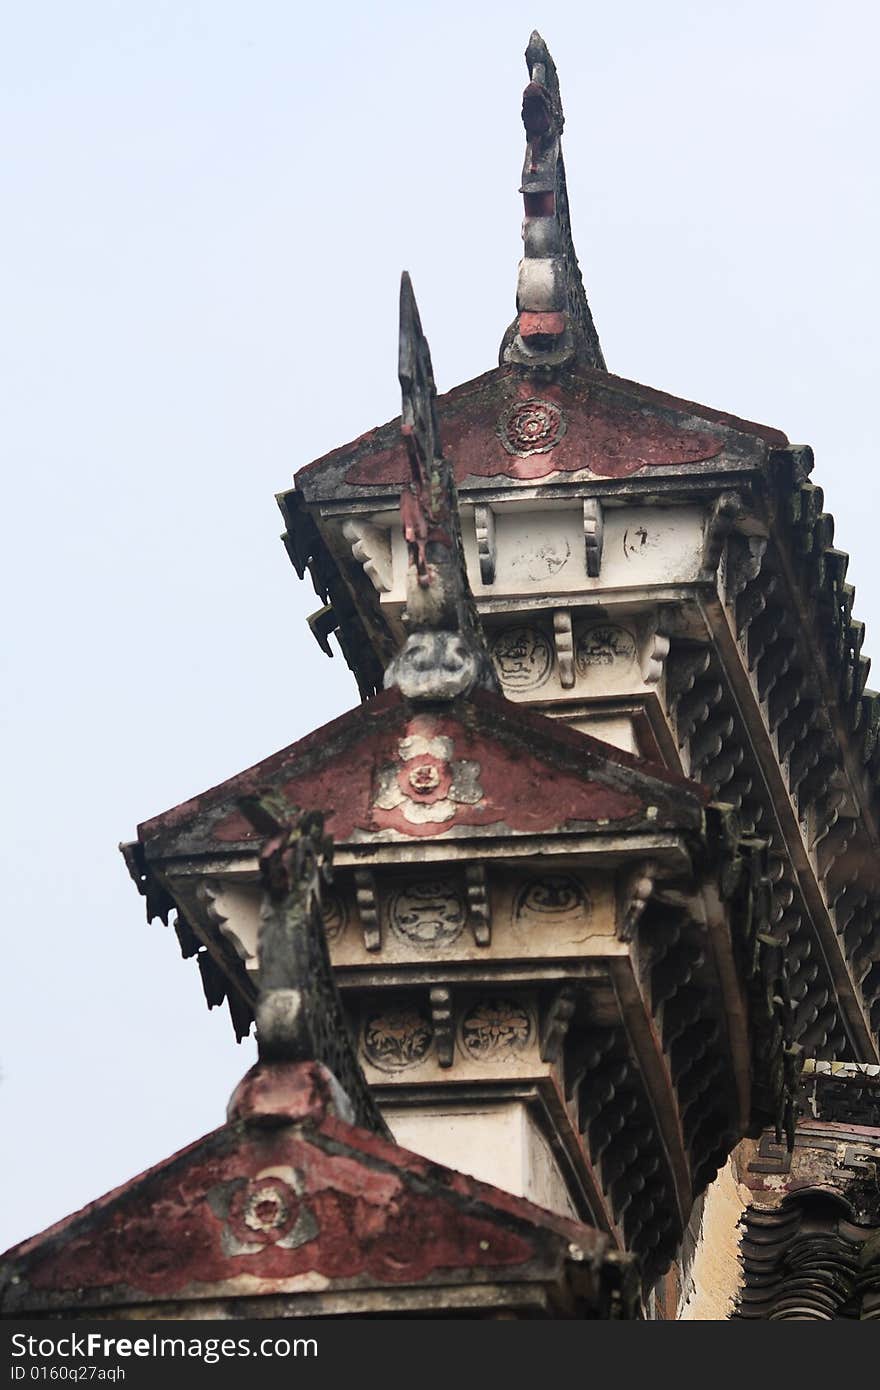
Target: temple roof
{"points": [[289, 1200], [481, 767], [505, 427]]}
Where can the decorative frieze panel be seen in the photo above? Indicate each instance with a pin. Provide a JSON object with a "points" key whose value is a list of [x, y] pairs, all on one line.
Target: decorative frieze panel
{"points": [[404, 1036], [567, 549], [523, 658], [604, 645], [497, 1028], [548, 898], [428, 912], [396, 1035]]}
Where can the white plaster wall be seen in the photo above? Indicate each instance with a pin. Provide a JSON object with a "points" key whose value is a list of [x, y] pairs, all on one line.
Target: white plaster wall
{"points": [[715, 1276], [541, 550], [498, 1144], [618, 730]]}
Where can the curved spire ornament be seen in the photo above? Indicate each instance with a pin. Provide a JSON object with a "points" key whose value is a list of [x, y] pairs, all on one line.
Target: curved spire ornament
{"points": [[554, 325]]}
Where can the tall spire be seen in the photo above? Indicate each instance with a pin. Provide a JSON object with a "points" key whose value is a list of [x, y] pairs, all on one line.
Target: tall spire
{"points": [[553, 324], [445, 653]]}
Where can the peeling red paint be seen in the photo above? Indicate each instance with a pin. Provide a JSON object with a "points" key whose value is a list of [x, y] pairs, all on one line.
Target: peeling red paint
{"points": [[607, 440], [274, 1203], [615, 427], [506, 768], [534, 325]]}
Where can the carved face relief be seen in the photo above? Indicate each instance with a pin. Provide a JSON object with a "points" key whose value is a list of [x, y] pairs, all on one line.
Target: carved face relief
{"points": [[531, 427], [437, 665], [427, 784], [604, 644], [430, 913], [523, 658], [496, 1029], [550, 896], [396, 1037]]}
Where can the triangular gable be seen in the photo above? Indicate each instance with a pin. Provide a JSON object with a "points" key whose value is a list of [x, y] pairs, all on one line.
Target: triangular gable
{"points": [[305, 1204], [504, 426], [386, 771]]}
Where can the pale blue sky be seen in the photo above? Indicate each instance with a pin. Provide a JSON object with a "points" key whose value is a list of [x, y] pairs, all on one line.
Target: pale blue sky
{"points": [[207, 209]]}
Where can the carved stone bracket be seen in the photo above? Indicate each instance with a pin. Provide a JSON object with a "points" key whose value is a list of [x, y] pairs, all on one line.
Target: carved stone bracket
{"points": [[368, 908], [654, 654], [594, 535], [371, 547], [441, 1020], [564, 643], [635, 887], [726, 511], [479, 913], [744, 557], [484, 525], [210, 895], [556, 1023]]}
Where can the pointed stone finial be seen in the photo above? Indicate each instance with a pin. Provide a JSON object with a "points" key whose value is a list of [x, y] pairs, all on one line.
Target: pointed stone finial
{"points": [[445, 653], [554, 325]]}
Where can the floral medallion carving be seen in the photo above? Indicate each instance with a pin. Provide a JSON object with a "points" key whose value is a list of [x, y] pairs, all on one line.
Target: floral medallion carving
{"points": [[496, 1029], [396, 1037], [261, 1211], [427, 784], [532, 426], [431, 912], [523, 658]]}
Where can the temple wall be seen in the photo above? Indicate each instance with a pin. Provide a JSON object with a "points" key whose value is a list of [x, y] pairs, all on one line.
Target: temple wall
{"points": [[714, 1276], [499, 1144]]}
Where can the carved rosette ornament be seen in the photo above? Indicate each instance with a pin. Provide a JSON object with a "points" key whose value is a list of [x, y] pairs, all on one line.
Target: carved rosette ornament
{"points": [[427, 785], [262, 1211], [532, 426], [397, 1037], [431, 912], [496, 1030]]}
